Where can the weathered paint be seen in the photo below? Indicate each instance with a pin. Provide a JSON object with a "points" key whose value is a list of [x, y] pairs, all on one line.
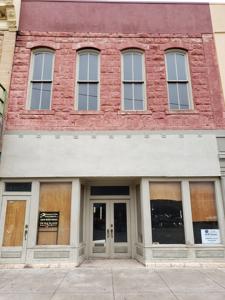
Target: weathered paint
{"points": [[92, 16]]}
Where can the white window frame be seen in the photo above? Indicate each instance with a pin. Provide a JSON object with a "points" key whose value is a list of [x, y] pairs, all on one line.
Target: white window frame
{"points": [[188, 81], [29, 92], [87, 51], [131, 50]]}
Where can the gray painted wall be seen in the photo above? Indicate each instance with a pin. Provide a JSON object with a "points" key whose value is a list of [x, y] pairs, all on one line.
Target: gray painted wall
{"points": [[51, 155]]}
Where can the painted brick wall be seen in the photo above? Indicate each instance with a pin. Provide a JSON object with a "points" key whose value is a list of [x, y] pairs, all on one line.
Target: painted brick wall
{"points": [[206, 88]]}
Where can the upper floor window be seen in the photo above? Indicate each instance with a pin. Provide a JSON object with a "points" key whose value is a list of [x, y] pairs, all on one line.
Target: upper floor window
{"points": [[88, 80], [133, 80], [178, 80], [41, 79]]}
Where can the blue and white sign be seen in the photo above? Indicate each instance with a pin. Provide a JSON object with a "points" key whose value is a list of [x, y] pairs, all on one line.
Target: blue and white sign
{"points": [[210, 236]]}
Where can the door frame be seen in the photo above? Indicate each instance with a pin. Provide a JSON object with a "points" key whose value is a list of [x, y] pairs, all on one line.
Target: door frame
{"points": [[109, 217], [14, 249]]}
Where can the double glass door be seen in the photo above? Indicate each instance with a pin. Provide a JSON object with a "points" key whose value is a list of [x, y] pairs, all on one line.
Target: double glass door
{"points": [[110, 236]]}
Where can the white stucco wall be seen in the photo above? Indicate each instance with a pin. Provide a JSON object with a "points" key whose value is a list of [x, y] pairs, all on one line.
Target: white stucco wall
{"points": [[134, 155]]}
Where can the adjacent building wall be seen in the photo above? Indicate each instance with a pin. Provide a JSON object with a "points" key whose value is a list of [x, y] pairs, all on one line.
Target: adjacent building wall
{"points": [[218, 23]]}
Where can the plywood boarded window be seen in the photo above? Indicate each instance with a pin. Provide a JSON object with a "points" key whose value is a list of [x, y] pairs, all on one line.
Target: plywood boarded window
{"points": [[14, 223], [55, 199], [166, 213], [203, 206]]}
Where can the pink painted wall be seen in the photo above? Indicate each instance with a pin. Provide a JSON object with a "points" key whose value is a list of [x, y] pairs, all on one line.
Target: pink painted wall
{"points": [[207, 96], [91, 16]]}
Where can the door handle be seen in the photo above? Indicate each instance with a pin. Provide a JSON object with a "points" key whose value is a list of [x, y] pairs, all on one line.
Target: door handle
{"points": [[107, 233], [26, 232], [111, 233]]}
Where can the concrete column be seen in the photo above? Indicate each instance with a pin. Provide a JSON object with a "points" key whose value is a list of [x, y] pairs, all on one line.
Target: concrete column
{"points": [[146, 213], [75, 213], [220, 210], [33, 216], [186, 203], [223, 190]]}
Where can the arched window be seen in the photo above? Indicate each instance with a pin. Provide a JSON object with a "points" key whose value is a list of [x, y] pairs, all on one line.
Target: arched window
{"points": [[41, 75], [133, 80], [178, 80], [88, 80]]}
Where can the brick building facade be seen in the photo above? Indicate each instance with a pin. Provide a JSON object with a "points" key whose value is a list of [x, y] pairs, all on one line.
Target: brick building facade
{"points": [[114, 117]]}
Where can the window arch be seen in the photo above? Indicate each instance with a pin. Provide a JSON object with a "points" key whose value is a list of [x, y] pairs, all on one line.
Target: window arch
{"points": [[88, 80], [178, 80], [41, 77], [133, 80]]}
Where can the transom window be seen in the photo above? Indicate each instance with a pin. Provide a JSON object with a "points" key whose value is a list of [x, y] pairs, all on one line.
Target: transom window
{"points": [[41, 79], [178, 80], [88, 80], [133, 80]]}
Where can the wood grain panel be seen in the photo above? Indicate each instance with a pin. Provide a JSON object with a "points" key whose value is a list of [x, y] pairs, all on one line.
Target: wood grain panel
{"points": [[56, 197], [14, 223], [165, 191], [203, 201]]}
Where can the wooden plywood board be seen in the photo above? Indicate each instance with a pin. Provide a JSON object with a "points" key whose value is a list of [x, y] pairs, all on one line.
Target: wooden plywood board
{"points": [[165, 191], [56, 197], [14, 223], [203, 202]]}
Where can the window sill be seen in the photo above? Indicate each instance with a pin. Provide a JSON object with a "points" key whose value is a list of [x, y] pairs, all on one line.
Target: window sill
{"points": [[86, 112], [38, 112], [135, 112], [182, 112]]}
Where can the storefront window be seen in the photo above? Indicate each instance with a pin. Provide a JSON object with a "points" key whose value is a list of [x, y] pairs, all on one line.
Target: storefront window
{"points": [[166, 213], [204, 216], [54, 214]]}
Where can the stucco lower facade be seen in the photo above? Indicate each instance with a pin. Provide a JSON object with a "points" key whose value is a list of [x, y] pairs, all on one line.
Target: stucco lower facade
{"points": [[104, 170]]}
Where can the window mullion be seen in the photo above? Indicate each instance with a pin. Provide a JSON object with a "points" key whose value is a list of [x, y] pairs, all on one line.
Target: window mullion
{"points": [[42, 75], [177, 83]]}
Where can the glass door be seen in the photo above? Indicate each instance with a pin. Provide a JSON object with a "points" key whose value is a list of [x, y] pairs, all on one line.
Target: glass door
{"points": [[110, 229], [99, 229], [14, 228], [120, 229]]}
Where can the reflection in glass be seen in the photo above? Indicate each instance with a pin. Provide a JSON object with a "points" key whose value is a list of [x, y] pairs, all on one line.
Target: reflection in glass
{"points": [[120, 222], [167, 213], [203, 206], [99, 222]]}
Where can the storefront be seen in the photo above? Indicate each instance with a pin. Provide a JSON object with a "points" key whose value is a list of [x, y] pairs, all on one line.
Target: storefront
{"points": [[175, 213]]}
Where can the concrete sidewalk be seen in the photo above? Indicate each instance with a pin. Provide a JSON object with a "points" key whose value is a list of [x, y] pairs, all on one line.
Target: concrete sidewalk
{"points": [[107, 281]]}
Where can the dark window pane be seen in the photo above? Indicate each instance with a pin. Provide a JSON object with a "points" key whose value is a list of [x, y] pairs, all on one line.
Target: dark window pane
{"points": [[138, 96], [82, 96], [120, 222], [173, 96], [93, 67], [181, 66], [128, 96], [83, 67], [18, 186], [203, 207], [99, 222], [137, 65], [127, 66], [47, 71], [35, 95], [38, 64], [166, 213], [171, 66], [93, 96], [46, 96], [109, 190], [183, 95]]}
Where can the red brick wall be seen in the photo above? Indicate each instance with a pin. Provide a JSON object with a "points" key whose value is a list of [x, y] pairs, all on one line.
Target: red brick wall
{"points": [[207, 96]]}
